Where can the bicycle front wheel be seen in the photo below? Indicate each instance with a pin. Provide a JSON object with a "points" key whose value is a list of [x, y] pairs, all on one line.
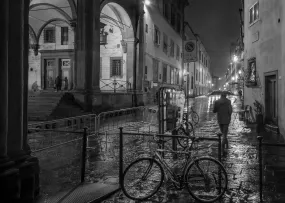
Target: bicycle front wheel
{"points": [[195, 118], [206, 179], [185, 142], [142, 179]]}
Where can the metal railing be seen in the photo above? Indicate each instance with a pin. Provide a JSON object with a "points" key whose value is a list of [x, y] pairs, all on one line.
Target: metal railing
{"points": [[122, 143], [114, 85], [62, 164], [261, 145]]}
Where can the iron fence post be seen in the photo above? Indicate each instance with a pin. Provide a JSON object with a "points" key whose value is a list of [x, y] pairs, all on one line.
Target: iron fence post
{"points": [[220, 159], [83, 158], [260, 167], [220, 147], [174, 144], [121, 156]]}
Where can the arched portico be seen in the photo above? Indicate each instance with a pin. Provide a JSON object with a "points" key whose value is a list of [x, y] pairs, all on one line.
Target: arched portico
{"points": [[116, 49], [14, 15]]}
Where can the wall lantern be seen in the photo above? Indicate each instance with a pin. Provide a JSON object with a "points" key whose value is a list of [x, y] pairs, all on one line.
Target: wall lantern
{"points": [[124, 46], [103, 34]]}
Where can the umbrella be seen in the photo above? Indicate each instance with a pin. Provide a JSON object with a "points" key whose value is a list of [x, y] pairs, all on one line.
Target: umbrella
{"points": [[219, 92]]}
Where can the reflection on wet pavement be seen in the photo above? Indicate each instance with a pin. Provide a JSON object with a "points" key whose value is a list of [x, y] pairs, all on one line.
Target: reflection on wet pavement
{"points": [[241, 162]]}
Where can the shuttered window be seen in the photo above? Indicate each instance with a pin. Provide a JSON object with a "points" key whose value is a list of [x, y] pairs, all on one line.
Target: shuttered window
{"points": [[49, 35], [64, 35], [116, 67]]}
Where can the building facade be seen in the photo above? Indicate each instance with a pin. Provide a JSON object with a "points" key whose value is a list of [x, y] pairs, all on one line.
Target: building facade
{"points": [[163, 31], [200, 78], [264, 50]]}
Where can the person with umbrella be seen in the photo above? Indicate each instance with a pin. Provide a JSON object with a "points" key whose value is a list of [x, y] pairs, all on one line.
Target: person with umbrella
{"points": [[223, 108]]}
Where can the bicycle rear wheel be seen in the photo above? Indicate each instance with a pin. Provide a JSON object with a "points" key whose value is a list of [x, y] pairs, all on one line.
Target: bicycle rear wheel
{"points": [[142, 179], [185, 142], [206, 179], [195, 118]]}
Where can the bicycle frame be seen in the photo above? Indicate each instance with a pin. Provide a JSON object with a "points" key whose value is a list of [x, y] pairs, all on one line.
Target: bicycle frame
{"points": [[178, 181]]}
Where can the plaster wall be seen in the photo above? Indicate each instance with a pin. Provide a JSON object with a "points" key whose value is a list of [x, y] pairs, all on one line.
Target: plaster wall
{"points": [[154, 17], [265, 41]]}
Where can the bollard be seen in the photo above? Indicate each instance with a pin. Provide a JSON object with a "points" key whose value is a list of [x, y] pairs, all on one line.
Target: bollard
{"points": [[174, 144], [260, 168], [220, 159], [121, 157], [220, 147], [83, 158]]}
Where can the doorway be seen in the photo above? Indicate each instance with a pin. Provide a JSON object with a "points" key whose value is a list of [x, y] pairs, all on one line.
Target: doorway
{"points": [[49, 73], [271, 96]]}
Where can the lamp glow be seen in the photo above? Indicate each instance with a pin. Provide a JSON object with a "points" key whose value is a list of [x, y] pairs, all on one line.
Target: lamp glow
{"points": [[239, 72], [235, 59], [147, 2]]}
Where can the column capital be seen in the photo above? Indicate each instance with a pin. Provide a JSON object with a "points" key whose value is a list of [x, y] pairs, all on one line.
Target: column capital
{"points": [[73, 23]]}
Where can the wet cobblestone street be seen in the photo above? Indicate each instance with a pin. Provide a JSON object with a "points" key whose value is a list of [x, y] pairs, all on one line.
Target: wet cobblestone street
{"points": [[241, 162]]}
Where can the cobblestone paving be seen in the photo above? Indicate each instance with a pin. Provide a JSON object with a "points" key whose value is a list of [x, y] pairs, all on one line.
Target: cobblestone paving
{"points": [[241, 163]]}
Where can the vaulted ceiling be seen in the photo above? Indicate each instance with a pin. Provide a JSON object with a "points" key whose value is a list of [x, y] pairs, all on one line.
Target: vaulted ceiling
{"points": [[55, 12]]}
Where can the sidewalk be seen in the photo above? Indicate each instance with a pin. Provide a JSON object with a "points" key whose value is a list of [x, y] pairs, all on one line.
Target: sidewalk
{"points": [[241, 163]]}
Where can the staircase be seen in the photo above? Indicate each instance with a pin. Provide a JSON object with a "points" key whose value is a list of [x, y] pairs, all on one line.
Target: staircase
{"points": [[67, 107], [49, 105], [41, 104]]}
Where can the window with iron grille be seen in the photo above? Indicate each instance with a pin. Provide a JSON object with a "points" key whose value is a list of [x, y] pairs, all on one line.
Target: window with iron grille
{"points": [[173, 15], [166, 9], [171, 75], [164, 73], [178, 25], [165, 43], [155, 70], [156, 35], [177, 52], [177, 75], [49, 35], [254, 13], [116, 67], [171, 48], [64, 35]]}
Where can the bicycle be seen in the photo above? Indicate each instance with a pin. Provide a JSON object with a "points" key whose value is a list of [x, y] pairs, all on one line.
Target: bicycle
{"points": [[186, 129], [193, 115], [143, 178]]}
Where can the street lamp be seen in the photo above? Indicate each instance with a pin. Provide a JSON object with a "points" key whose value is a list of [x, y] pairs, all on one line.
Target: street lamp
{"points": [[239, 72]]}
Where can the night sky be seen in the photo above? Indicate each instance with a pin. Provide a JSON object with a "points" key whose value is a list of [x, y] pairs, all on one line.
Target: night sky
{"points": [[217, 22]]}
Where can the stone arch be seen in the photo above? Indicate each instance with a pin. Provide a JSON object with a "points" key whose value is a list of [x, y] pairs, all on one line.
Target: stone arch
{"points": [[117, 14], [123, 14], [33, 34], [73, 8], [59, 10]]}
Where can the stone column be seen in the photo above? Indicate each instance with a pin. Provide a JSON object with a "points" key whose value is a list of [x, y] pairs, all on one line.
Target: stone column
{"points": [[74, 78], [88, 49], [4, 80], [9, 176], [140, 68], [130, 60], [17, 96], [15, 78]]}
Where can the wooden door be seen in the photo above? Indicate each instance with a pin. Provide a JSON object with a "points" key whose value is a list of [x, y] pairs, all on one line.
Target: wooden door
{"points": [[271, 99], [50, 74]]}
